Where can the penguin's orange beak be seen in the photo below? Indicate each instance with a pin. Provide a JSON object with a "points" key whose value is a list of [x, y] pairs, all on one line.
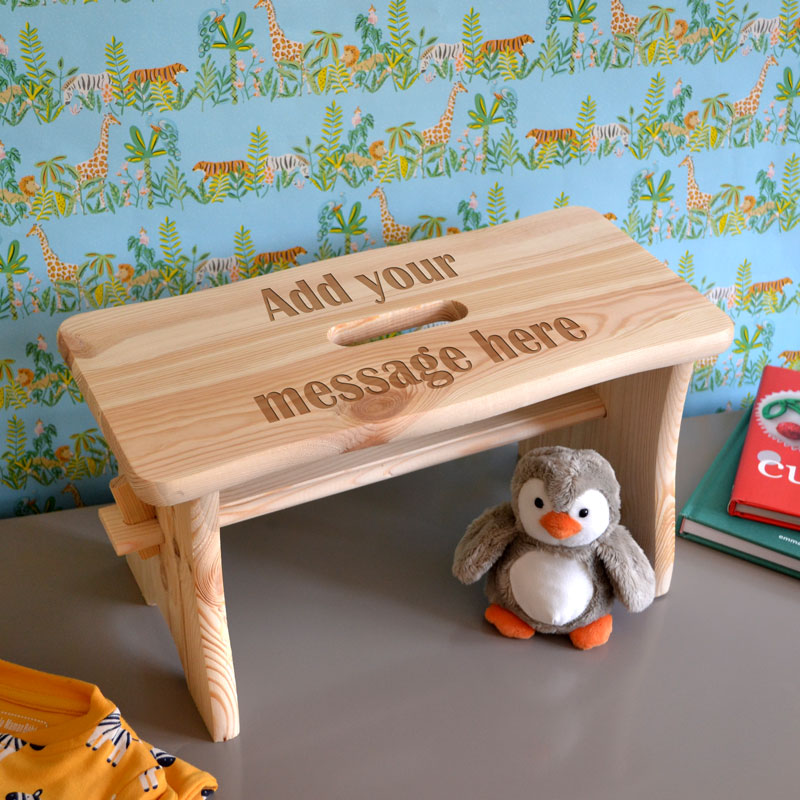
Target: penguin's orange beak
{"points": [[560, 525]]}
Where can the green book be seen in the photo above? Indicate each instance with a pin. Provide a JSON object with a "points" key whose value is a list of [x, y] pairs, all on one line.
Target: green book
{"points": [[705, 517]]}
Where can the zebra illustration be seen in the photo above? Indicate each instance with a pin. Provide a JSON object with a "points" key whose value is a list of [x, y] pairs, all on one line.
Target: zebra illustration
{"points": [[110, 729], [148, 779], [87, 82], [611, 131], [727, 294], [759, 27], [441, 52], [286, 163], [215, 267], [11, 744], [23, 796], [164, 759]]}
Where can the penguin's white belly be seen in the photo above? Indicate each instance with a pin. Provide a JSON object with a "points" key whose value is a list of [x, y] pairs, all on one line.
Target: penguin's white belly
{"points": [[549, 588]]}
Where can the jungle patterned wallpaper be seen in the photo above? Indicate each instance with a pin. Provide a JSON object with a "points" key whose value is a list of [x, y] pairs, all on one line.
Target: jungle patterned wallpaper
{"points": [[157, 147]]}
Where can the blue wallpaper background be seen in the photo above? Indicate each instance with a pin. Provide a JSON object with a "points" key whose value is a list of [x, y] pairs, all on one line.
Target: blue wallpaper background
{"points": [[189, 84]]}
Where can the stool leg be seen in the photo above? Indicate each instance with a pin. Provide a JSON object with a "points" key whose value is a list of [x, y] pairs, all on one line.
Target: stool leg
{"points": [[146, 567], [147, 572], [639, 437], [191, 573]]}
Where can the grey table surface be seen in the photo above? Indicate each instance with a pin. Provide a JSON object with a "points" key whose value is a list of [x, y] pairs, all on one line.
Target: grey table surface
{"points": [[366, 671]]}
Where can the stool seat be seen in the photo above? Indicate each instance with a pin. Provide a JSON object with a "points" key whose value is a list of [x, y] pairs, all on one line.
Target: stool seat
{"points": [[236, 401], [212, 389]]}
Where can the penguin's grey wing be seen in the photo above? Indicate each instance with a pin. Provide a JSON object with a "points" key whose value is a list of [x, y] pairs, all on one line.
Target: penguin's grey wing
{"points": [[484, 542], [631, 575]]}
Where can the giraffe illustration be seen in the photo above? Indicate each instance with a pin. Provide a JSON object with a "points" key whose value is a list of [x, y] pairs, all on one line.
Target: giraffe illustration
{"points": [[624, 24], [57, 270], [393, 233], [283, 49], [72, 489], [695, 199], [440, 133], [97, 165], [748, 106]]}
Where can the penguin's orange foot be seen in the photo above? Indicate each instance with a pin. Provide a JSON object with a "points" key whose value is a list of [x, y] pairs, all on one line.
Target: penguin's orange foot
{"points": [[592, 635], [507, 623]]}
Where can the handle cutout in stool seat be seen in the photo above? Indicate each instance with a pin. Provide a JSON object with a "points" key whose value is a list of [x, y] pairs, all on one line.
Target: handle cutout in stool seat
{"points": [[403, 320]]}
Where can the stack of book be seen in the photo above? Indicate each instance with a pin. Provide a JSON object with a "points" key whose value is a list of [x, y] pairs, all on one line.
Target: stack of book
{"points": [[748, 503]]}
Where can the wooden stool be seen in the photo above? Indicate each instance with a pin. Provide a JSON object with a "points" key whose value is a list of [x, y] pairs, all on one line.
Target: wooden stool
{"points": [[230, 403]]}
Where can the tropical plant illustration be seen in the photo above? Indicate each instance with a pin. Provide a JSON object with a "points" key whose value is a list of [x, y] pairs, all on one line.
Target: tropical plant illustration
{"points": [[235, 42], [141, 153], [11, 266], [352, 226], [577, 13]]}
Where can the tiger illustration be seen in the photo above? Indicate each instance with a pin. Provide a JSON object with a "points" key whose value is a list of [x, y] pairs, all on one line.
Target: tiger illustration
{"points": [[769, 287], [211, 169], [791, 358], [157, 74], [515, 45], [279, 257], [543, 135]]}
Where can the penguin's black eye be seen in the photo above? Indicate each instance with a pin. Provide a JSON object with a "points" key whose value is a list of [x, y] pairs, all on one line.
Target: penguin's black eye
{"points": [[584, 512], [538, 502]]}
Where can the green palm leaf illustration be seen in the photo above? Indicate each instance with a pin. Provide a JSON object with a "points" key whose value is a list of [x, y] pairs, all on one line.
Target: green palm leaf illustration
{"points": [[136, 135], [787, 87]]}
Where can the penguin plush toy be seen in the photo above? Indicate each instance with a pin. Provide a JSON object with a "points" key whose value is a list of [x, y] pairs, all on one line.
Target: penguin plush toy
{"points": [[556, 555]]}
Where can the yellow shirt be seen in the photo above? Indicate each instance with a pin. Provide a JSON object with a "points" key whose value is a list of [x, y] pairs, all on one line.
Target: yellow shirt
{"points": [[60, 739]]}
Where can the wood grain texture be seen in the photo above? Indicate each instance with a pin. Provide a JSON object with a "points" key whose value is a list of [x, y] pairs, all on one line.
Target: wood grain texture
{"points": [[132, 509], [147, 573], [639, 437], [348, 471], [173, 382], [191, 568], [129, 538]]}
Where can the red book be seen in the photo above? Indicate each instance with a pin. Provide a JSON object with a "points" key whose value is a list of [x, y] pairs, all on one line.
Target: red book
{"points": [[767, 485]]}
